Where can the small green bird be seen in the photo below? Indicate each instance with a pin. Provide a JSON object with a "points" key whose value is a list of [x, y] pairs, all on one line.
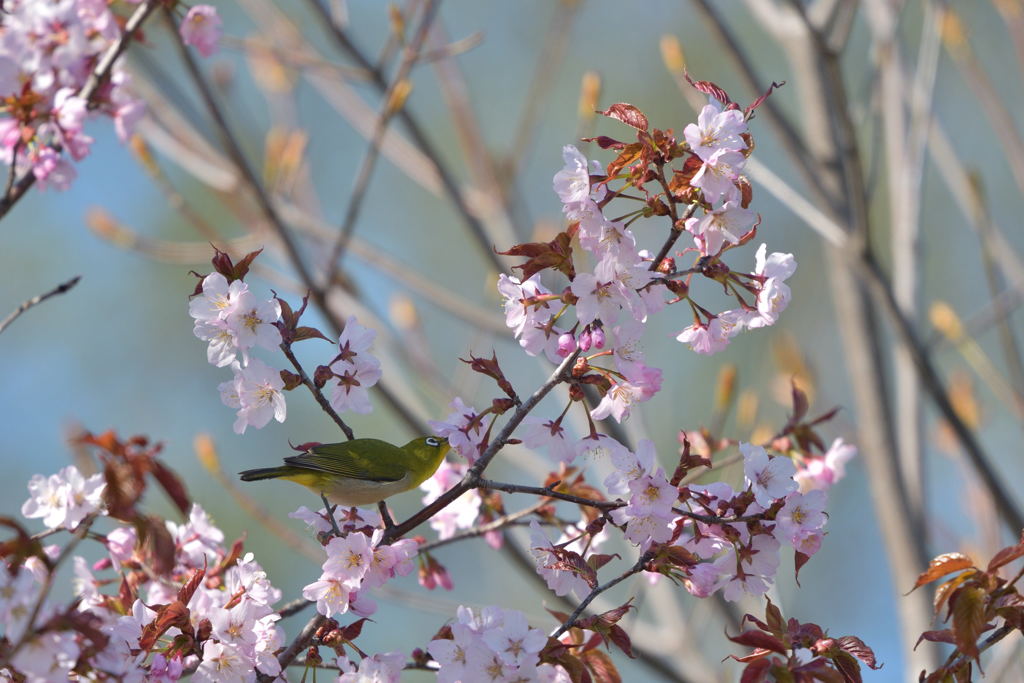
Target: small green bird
{"points": [[361, 471]]}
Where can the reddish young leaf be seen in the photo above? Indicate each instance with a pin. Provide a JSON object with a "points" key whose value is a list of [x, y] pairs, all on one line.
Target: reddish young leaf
{"points": [[942, 565], [567, 560], [760, 100], [156, 545], [188, 589], [602, 666], [491, 368], [943, 636], [756, 671], [291, 380], [573, 665], [605, 142], [352, 631], [856, 647], [303, 332], [968, 619], [1006, 556], [773, 618], [708, 88], [172, 484], [628, 114], [946, 589], [618, 635], [759, 639], [168, 616], [556, 254], [241, 268], [800, 561], [847, 666], [628, 155]]}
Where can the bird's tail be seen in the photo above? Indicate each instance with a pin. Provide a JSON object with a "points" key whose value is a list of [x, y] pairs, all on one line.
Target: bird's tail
{"points": [[265, 473]]}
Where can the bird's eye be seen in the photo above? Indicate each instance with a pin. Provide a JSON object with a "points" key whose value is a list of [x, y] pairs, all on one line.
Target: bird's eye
{"points": [[431, 441]]}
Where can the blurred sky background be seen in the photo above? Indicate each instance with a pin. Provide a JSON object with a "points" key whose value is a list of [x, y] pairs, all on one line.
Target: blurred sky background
{"points": [[118, 351]]}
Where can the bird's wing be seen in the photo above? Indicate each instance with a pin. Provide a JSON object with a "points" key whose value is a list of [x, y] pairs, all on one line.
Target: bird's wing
{"points": [[342, 460]]}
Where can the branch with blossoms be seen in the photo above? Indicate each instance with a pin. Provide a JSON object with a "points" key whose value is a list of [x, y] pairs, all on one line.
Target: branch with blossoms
{"points": [[61, 75], [208, 609]]}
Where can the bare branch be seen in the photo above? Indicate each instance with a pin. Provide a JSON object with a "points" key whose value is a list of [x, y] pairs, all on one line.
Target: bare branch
{"points": [[25, 305]]}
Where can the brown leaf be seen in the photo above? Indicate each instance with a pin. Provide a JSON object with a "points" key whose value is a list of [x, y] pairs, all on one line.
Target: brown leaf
{"points": [[1005, 556], [570, 561], [856, 647], [628, 114], [628, 155], [168, 616], [756, 671], [946, 589], [491, 368], [968, 619], [605, 142], [944, 564], [602, 666], [760, 100], [618, 635], [556, 254], [304, 332], [760, 640], [847, 666], [943, 636], [708, 88], [172, 484], [156, 545], [188, 589]]}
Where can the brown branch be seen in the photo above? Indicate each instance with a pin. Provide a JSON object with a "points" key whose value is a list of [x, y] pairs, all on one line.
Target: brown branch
{"points": [[510, 519], [549, 492], [317, 394], [286, 658], [635, 569], [472, 476], [25, 305]]}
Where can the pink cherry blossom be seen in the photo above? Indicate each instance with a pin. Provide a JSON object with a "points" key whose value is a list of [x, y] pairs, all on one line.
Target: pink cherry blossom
{"points": [[201, 28], [715, 129], [769, 478]]}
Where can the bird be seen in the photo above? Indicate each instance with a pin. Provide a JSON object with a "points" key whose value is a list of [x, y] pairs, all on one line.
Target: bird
{"points": [[360, 471]]}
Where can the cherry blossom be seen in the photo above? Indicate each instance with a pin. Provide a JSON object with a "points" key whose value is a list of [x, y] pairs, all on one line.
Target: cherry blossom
{"points": [[201, 28], [715, 130], [768, 477], [63, 499]]}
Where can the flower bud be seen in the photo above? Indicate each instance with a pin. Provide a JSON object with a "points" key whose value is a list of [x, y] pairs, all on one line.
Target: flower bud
{"points": [[598, 337], [566, 345]]}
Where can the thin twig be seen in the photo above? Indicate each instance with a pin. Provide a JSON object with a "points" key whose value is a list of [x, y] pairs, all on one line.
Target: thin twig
{"points": [[388, 110], [472, 476], [549, 492], [635, 569], [79, 533], [510, 519], [301, 641], [317, 394], [60, 289], [475, 226]]}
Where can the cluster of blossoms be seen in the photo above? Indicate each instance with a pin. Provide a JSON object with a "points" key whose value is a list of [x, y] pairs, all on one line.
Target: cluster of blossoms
{"points": [[495, 645], [233, 320], [356, 562], [63, 499], [200, 608], [730, 539], [48, 51]]}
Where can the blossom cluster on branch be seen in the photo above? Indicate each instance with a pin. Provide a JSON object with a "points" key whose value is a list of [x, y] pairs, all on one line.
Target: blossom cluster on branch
{"points": [[49, 52], [178, 602]]}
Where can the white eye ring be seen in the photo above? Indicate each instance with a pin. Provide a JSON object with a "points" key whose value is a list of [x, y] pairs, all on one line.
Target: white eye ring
{"points": [[431, 441]]}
